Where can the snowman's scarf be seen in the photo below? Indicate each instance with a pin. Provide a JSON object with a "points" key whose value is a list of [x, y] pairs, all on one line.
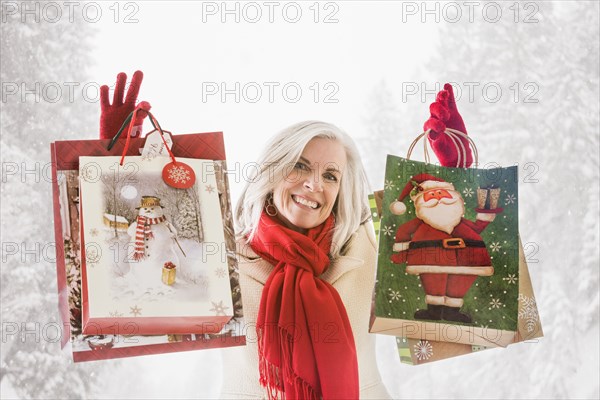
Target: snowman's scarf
{"points": [[144, 232]]}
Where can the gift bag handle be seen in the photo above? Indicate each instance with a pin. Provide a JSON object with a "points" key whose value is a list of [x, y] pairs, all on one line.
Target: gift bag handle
{"points": [[128, 124], [454, 136]]}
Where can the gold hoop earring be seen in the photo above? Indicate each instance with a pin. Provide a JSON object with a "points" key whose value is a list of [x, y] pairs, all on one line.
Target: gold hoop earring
{"points": [[270, 208]]}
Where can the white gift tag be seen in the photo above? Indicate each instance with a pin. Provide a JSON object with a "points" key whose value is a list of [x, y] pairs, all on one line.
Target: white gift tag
{"points": [[154, 145]]}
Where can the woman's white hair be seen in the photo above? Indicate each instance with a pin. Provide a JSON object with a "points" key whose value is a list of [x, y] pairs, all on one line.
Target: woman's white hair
{"points": [[351, 207]]}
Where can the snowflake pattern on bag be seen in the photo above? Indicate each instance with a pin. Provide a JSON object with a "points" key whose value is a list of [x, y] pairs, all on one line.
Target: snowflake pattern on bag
{"points": [[528, 311], [219, 308], [179, 174], [423, 350]]}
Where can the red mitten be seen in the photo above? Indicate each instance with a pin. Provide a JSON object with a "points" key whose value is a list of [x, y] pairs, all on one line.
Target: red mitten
{"points": [[113, 115], [444, 114], [400, 257]]}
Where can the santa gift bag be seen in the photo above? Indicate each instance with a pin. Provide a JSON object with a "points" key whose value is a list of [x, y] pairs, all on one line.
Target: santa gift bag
{"points": [[448, 263], [416, 351], [113, 213], [463, 283]]}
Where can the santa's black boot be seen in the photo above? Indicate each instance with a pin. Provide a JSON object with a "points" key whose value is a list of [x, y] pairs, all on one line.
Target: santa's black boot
{"points": [[453, 314], [433, 312]]}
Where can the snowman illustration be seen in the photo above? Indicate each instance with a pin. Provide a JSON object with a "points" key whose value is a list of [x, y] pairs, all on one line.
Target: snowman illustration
{"points": [[154, 241]]}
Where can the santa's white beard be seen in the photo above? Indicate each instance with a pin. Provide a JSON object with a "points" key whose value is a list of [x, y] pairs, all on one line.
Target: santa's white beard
{"points": [[443, 215]]}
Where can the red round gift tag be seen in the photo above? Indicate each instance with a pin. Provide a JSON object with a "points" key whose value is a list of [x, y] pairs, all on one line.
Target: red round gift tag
{"points": [[179, 175]]}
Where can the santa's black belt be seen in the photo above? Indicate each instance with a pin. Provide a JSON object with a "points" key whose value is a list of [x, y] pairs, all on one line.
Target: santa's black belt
{"points": [[450, 243]]}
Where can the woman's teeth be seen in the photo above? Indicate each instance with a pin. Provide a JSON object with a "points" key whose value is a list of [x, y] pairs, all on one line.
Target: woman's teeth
{"points": [[305, 202]]}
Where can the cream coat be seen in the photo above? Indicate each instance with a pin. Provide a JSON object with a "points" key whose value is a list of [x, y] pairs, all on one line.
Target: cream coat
{"points": [[352, 275]]}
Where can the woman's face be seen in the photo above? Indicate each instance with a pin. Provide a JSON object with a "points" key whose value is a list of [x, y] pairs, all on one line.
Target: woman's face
{"points": [[305, 197]]}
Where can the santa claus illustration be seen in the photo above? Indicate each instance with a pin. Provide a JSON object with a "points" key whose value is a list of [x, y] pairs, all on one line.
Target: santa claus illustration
{"points": [[441, 246]]}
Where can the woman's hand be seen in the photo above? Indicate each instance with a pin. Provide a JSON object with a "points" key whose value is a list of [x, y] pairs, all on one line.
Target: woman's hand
{"points": [[444, 114], [113, 115]]}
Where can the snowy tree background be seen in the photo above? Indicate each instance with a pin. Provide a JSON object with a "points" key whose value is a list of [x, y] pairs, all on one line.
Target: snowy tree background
{"points": [[529, 94], [32, 365]]}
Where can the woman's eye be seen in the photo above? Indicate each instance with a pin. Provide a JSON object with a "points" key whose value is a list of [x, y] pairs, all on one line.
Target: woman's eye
{"points": [[330, 177], [301, 166]]}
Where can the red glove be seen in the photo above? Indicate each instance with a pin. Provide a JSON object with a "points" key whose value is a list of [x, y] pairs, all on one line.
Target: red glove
{"points": [[400, 257], [445, 115], [113, 115]]}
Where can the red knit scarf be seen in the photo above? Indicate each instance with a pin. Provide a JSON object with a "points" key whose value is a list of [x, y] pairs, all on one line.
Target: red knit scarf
{"points": [[143, 232], [305, 342]]}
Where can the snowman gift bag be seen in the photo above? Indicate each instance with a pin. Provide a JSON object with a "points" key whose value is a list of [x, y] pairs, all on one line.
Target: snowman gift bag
{"points": [[154, 248], [121, 206]]}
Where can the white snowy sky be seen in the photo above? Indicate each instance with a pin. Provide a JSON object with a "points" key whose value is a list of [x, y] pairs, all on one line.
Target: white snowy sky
{"points": [[178, 53]]}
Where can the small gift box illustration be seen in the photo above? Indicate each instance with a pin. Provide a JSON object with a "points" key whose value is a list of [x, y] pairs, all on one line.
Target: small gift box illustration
{"points": [[481, 197], [168, 273], [494, 196], [487, 200]]}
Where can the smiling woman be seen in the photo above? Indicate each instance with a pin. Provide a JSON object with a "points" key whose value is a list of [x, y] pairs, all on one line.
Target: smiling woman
{"points": [[286, 162], [305, 198], [306, 253]]}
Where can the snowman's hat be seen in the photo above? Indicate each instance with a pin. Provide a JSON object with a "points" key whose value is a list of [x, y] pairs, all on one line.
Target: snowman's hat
{"points": [[149, 201]]}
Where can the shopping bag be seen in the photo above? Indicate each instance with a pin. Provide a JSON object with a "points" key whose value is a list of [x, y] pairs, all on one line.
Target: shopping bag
{"points": [[151, 253], [441, 275], [399, 293], [110, 344], [529, 329]]}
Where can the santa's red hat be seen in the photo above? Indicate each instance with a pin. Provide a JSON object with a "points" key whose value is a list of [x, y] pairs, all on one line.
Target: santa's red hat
{"points": [[415, 187]]}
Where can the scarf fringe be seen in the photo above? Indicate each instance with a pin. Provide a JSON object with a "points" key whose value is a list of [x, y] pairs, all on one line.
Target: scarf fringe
{"points": [[272, 377]]}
